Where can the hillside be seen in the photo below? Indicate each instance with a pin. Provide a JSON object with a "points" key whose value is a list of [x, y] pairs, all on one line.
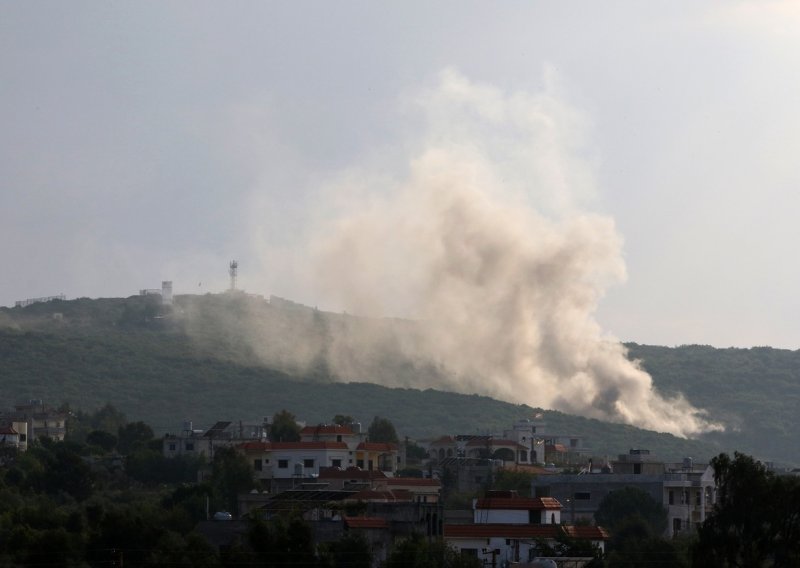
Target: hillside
{"points": [[755, 391], [199, 361]]}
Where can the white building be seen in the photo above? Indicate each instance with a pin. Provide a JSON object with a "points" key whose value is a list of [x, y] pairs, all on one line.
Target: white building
{"points": [[508, 528]]}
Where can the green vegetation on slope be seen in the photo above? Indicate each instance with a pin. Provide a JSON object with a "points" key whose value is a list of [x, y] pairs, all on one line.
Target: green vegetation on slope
{"points": [[755, 392], [164, 367]]}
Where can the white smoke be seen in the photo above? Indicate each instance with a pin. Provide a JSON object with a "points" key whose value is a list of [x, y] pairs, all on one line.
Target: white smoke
{"points": [[483, 242]]}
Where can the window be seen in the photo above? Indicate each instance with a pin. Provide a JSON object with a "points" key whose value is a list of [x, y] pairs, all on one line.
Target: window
{"points": [[534, 517], [360, 464], [336, 463], [283, 464], [637, 468], [583, 496], [339, 438], [308, 463], [23, 437], [172, 446], [258, 465], [369, 465], [523, 456], [671, 497], [189, 446], [676, 526]]}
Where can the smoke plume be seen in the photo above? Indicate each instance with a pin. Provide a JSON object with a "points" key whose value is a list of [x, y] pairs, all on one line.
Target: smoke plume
{"points": [[483, 241]]}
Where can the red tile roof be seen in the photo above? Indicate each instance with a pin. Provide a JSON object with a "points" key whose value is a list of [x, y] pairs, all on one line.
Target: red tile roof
{"points": [[494, 443], [366, 523], [518, 503], [506, 530], [560, 448], [8, 430], [413, 481], [267, 446], [586, 532], [326, 429], [501, 530], [377, 447], [382, 495]]}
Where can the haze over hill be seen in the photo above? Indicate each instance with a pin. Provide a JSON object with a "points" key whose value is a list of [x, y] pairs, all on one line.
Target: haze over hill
{"points": [[199, 363], [484, 240]]}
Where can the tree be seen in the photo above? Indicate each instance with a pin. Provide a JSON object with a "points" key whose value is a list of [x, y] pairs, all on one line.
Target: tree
{"points": [[382, 430], [133, 436], [414, 452], [102, 439], [350, 551], [284, 428], [107, 418], [619, 506], [231, 474], [418, 552], [282, 541], [633, 544], [343, 420], [519, 481], [756, 519]]}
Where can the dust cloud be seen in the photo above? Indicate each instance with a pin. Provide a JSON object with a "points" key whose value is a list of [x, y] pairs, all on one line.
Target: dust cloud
{"points": [[487, 243]]}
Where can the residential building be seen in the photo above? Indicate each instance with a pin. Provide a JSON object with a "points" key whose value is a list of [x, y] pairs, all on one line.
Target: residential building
{"points": [[41, 421], [526, 443], [282, 465], [192, 442], [14, 435], [686, 490], [508, 528]]}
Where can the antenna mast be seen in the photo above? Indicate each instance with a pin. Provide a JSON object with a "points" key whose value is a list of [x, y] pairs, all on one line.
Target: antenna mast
{"points": [[233, 271]]}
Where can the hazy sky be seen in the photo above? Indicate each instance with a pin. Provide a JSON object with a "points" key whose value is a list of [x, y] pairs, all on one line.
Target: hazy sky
{"points": [[148, 141]]}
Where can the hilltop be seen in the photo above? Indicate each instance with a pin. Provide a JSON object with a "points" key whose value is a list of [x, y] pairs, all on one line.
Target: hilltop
{"points": [[233, 356]]}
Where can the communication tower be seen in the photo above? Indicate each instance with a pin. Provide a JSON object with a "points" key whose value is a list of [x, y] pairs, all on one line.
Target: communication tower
{"points": [[233, 270]]}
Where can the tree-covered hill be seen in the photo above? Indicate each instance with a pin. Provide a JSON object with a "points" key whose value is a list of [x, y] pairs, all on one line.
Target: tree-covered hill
{"points": [[197, 361], [755, 392]]}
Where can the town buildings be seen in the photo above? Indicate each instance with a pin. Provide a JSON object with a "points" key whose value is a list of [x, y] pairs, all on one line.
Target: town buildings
{"points": [[685, 489], [31, 420], [285, 465], [508, 528]]}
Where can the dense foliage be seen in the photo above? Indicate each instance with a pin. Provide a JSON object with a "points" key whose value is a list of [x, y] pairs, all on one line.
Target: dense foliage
{"points": [[77, 504], [619, 506], [382, 430], [756, 519], [284, 427], [418, 552], [637, 523], [195, 361], [754, 392]]}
